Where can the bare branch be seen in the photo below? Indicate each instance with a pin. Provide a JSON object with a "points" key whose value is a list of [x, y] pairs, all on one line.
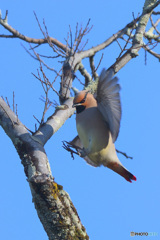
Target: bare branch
{"points": [[37, 119], [99, 63], [55, 122], [152, 52], [13, 102], [17, 34], [138, 38], [79, 34], [92, 66], [84, 73], [124, 154], [156, 13], [154, 25], [7, 102], [37, 57], [120, 33]]}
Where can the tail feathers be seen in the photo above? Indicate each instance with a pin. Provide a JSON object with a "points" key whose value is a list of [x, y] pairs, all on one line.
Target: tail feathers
{"points": [[122, 171]]}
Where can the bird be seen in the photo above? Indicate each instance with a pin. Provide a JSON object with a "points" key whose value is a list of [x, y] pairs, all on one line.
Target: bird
{"points": [[98, 122]]}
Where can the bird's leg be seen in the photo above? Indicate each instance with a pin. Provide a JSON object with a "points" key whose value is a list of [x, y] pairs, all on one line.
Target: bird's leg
{"points": [[82, 153], [85, 151]]}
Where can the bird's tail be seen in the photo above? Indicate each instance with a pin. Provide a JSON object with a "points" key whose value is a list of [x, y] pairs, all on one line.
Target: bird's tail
{"points": [[118, 168]]}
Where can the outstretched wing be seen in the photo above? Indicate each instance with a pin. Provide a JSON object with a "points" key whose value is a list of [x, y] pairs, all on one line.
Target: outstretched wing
{"points": [[108, 99]]}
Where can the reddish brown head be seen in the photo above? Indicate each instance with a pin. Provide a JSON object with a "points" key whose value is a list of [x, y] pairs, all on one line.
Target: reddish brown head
{"points": [[85, 99]]}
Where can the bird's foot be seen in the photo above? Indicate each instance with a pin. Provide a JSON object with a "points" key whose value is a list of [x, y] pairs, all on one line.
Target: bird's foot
{"points": [[83, 153]]}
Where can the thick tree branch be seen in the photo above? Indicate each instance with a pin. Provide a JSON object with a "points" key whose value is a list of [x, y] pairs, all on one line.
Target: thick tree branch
{"points": [[55, 122], [138, 38], [54, 207]]}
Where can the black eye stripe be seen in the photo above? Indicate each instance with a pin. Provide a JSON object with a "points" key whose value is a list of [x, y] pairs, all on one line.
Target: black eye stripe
{"points": [[83, 100]]}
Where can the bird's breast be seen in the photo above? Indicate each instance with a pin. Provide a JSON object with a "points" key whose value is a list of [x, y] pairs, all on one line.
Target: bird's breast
{"points": [[92, 130]]}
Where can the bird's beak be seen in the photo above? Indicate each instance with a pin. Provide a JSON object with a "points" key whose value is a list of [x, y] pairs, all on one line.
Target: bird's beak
{"points": [[76, 104]]}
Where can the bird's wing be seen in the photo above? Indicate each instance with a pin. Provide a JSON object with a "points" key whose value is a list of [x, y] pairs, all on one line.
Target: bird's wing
{"points": [[76, 142], [108, 99]]}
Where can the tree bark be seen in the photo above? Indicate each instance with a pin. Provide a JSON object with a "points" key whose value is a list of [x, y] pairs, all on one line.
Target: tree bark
{"points": [[54, 206]]}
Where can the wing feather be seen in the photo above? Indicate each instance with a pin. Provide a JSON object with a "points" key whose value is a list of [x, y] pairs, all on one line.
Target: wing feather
{"points": [[108, 99]]}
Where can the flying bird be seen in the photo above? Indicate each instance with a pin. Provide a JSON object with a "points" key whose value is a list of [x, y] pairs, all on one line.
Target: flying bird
{"points": [[98, 122]]}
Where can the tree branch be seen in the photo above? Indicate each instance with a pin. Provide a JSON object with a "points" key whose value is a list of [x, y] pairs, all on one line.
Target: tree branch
{"points": [[92, 51], [138, 38], [17, 34], [55, 122], [54, 207]]}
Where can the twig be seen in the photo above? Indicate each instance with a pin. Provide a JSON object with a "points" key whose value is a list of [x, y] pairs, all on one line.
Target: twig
{"points": [[17, 112], [37, 119], [25, 38], [79, 81], [152, 52], [156, 13], [39, 24], [40, 60], [155, 24], [13, 102], [92, 66], [84, 73], [119, 45], [29, 130], [46, 85], [129, 37], [79, 36], [99, 63], [70, 31], [124, 154], [7, 102]]}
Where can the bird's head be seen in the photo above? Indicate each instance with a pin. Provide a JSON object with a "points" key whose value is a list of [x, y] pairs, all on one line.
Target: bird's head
{"points": [[83, 100]]}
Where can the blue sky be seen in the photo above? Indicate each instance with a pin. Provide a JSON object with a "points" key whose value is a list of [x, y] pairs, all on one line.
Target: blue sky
{"points": [[109, 206]]}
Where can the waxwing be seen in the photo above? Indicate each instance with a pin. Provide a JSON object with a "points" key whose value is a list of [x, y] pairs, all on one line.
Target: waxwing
{"points": [[98, 123]]}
